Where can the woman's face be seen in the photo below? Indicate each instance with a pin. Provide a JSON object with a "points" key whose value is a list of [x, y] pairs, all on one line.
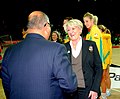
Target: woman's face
{"points": [[74, 32], [88, 22], [54, 36]]}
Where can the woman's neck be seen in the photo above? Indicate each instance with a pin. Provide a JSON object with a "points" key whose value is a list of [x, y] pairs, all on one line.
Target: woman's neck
{"points": [[75, 42]]}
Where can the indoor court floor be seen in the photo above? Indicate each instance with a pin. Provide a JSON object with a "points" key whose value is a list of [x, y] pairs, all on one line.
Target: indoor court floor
{"points": [[115, 92]]}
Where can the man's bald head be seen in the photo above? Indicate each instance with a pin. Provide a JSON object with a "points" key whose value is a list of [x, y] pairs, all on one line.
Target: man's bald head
{"points": [[37, 19], [35, 13]]}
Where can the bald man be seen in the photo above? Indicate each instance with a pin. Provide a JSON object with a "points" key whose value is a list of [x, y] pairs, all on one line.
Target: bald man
{"points": [[37, 68]]}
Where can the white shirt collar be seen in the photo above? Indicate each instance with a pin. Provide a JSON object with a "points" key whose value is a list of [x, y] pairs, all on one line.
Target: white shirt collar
{"points": [[76, 52]]}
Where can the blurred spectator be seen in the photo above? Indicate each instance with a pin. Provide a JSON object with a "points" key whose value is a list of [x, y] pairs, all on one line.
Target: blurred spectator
{"points": [[55, 37], [65, 36], [107, 51], [24, 32]]}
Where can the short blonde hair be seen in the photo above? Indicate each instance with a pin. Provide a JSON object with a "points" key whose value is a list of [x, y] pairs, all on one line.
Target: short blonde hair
{"points": [[73, 22]]}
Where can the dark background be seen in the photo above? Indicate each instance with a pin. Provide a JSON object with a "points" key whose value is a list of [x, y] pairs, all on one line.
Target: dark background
{"points": [[14, 13]]}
